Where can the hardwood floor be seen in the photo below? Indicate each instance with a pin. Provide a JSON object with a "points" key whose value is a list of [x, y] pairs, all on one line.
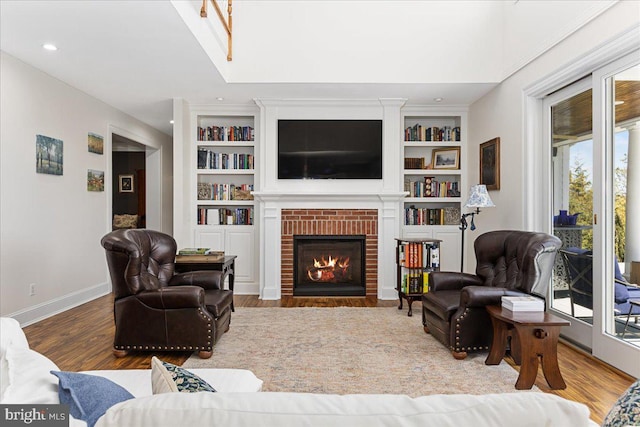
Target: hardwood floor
{"points": [[81, 338]]}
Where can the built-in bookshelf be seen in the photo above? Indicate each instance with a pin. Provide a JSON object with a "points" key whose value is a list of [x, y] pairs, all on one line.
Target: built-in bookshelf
{"points": [[223, 161], [434, 176], [415, 260], [225, 165]]}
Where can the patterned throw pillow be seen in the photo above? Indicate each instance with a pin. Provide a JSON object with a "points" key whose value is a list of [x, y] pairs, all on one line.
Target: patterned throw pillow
{"points": [[125, 221], [626, 410], [169, 378]]}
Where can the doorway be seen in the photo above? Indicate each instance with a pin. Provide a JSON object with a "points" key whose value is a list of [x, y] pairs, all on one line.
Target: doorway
{"points": [[128, 166]]}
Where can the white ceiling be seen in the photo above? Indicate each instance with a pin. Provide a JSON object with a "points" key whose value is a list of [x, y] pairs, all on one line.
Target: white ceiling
{"points": [[138, 55]]}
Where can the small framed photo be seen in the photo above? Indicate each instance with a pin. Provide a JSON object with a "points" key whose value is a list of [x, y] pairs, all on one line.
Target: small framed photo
{"points": [[447, 158], [490, 164], [126, 183]]}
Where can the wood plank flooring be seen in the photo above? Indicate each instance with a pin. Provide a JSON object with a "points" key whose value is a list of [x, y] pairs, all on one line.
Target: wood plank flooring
{"points": [[81, 339]]}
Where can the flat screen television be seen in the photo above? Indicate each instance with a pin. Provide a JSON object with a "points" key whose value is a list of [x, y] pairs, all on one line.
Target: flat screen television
{"points": [[329, 149]]}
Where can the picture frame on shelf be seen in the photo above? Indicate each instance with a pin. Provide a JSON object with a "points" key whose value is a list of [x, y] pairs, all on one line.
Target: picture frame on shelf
{"points": [[490, 164], [445, 158], [125, 183]]}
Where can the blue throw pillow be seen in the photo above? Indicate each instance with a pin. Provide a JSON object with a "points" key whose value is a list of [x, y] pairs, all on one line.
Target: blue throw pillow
{"points": [[88, 396]]}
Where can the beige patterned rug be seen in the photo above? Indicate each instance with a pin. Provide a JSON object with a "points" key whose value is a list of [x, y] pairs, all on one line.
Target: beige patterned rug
{"points": [[349, 350]]}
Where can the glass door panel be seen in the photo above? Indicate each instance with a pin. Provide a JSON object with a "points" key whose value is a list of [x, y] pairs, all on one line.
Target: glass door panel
{"points": [[617, 205], [623, 166], [572, 200]]}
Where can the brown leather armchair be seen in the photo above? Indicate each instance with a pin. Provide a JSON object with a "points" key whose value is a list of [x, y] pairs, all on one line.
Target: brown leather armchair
{"points": [[156, 309], [508, 263]]}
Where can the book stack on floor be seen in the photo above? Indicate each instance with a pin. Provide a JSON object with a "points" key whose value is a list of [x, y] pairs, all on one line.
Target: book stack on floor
{"points": [[523, 303]]}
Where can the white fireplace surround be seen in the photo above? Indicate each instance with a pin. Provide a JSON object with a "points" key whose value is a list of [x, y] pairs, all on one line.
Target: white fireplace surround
{"points": [[383, 195], [271, 205]]}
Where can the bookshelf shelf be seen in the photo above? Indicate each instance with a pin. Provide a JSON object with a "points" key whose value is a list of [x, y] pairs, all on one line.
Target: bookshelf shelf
{"points": [[432, 172], [433, 200], [226, 171], [225, 144], [415, 260]]}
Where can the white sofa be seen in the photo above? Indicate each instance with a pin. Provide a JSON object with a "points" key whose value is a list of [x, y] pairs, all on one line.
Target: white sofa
{"points": [[25, 377], [237, 404]]}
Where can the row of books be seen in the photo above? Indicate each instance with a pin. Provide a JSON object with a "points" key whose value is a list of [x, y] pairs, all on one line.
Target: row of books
{"points": [[414, 163], [431, 216], [433, 133], [207, 191], [220, 216], [225, 133], [419, 255], [431, 187], [523, 303], [415, 283], [209, 159]]}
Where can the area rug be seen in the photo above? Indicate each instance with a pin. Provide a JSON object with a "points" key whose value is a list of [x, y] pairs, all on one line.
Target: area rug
{"points": [[348, 350]]}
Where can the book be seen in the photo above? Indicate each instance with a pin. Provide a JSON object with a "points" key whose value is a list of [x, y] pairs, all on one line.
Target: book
{"points": [[213, 216], [523, 303], [195, 251]]}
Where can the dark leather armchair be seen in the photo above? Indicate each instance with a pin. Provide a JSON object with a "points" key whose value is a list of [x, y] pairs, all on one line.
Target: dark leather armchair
{"points": [[156, 309], [508, 263]]}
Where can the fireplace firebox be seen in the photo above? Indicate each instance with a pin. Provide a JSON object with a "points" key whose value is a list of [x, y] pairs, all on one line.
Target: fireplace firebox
{"points": [[329, 265]]}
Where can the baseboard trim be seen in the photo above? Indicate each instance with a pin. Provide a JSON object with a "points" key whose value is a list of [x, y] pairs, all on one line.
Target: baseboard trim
{"points": [[386, 294], [246, 288], [47, 309]]}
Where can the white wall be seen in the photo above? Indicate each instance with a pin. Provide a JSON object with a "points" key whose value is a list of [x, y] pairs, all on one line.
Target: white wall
{"points": [[500, 114], [51, 226], [531, 27], [366, 41]]}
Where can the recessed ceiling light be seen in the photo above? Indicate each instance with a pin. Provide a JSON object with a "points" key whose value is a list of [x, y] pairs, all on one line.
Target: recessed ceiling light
{"points": [[220, 98], [171, 121], [49, 46], [438, 99]]}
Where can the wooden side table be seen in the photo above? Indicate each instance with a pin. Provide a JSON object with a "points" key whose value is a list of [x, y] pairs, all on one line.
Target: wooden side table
{"points": [[227, 265], [534, 334]]}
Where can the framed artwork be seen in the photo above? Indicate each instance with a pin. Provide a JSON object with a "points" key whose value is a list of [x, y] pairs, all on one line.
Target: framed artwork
{"points": [[95, 180], [447, 158], [490, 164], [49, 157], [125, 183], [95, 143]]}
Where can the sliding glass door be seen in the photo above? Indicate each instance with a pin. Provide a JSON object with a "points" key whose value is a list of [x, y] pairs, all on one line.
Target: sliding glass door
{"points": [[616, 335], [593, 131]]}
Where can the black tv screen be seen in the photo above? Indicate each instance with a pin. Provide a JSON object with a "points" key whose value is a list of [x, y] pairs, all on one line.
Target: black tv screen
{"points": [[329, 149]]}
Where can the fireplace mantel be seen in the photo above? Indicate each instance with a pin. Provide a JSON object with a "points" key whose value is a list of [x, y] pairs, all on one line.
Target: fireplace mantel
{"points": [[355, 197]]}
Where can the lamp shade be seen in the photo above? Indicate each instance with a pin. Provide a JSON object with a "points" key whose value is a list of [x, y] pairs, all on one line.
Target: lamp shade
{"points": [[479, 197]]}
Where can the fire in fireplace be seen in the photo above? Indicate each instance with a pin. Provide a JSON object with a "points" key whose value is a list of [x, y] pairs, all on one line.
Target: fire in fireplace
{"points": [[329, 265]]}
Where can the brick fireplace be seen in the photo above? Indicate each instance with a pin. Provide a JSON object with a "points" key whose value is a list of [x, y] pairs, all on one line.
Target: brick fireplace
{"points": [[335, 222]]}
